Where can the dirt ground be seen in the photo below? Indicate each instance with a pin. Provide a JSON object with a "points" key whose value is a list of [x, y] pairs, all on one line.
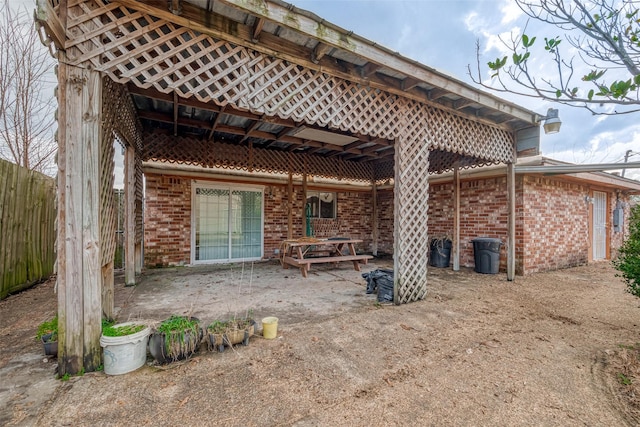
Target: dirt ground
{"points": [[552, 349]]}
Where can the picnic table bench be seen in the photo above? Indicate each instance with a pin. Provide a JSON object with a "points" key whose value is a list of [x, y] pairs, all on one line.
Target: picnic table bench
{"points": [[338, 249]]}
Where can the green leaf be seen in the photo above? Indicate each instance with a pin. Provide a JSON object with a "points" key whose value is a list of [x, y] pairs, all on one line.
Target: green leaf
{"points": [[558, 93], [590, 95], [526, 41]]}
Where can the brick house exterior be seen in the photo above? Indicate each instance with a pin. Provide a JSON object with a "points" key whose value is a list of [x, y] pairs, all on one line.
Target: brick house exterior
{"points": [[554, 216]]}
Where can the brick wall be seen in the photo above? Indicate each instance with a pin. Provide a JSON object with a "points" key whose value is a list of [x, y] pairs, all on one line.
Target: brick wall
{"points": [[552, 220], [483, 213], [555, 231], [385, 221], [167, 221], [553, 234]]}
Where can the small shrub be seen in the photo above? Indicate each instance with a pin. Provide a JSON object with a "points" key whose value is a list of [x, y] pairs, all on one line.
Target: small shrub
{"points": [[48, 327], [628, 260]]}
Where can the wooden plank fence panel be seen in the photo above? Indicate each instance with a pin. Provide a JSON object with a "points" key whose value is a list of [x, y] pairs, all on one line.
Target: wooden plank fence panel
{"points": [[27, 227]]}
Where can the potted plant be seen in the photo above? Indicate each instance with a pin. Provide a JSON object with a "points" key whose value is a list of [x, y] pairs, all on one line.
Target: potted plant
{"points": [[124, 346], [176, 338], [226, 333], [48, 334]]}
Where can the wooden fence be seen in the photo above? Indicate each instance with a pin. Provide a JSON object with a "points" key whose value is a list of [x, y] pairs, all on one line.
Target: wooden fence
{"points": [[27, 227]]}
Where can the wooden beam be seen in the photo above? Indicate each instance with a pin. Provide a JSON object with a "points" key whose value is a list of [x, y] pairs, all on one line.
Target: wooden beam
{"points": [[511, 235], [175, 114], [304, 203], [79, 246], [214, 124], [45, 15], [374, 221], [319, 52], [129, 216], [257, 29], [175, 7], [255, 125], [369, 69], [456, 218], [461, 103], [290, 204], [436, 93], [409, 83]]}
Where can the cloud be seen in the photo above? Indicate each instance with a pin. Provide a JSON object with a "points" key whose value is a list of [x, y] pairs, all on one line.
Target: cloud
{"points": [[511, 12]]}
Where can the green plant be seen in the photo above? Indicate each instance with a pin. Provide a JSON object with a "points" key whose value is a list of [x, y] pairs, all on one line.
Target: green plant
{"points": [[48, 327], [111, 330], [625, 380], [233, 324], [181, 335], [628, 259]]}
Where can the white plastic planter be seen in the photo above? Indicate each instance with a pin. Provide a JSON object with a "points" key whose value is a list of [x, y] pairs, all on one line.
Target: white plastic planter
{"points": [[126, 353]]}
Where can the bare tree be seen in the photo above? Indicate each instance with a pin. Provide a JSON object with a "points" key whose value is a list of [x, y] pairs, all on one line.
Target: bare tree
{"points": [[605, 37], [26, 94]]}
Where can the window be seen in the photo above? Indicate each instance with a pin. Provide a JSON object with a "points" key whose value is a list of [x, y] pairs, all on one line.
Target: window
{"points": [[322, 204], [227, 223]]}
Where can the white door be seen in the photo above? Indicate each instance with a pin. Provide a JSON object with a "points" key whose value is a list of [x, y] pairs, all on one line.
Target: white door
{"points": [[599, 225], [227, 223]]}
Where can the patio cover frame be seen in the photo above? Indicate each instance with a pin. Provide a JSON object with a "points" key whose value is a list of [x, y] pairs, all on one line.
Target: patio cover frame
{"points": [[224, 57]]}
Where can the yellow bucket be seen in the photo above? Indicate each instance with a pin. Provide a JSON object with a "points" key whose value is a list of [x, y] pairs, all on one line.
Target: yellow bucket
{"points": [[270, 327]]}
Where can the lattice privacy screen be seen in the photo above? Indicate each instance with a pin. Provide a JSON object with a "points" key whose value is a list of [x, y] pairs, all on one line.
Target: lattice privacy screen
{"points": [[118, 119]]}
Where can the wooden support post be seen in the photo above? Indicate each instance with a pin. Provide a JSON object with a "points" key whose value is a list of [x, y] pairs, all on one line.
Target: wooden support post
{"points": [[374, 222], [290, 204], [304, 204], [456, 218], [511, 237], [138, 258], [129, 216], [79, 246]]}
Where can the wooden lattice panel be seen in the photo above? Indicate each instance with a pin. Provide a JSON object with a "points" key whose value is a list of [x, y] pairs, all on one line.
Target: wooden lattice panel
{"points": [[133, 46], [411, 191], [442, 161], [107, 201], [119, 119], [383, 171], [167, 148]]}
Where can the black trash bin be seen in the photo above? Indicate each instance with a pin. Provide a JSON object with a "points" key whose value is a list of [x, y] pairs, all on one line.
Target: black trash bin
{"points": [[440, 252], [486, 254]]}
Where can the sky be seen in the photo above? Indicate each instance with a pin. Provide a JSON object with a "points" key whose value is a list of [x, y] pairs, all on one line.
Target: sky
{"points": [[442, 34]]}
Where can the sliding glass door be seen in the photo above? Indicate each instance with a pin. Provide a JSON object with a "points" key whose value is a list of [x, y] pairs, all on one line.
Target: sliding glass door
{"points": [[227, 223]]}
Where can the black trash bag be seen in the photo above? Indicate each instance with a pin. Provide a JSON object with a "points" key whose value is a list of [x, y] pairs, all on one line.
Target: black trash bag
{"points": [[371, 283], [382, 280]]}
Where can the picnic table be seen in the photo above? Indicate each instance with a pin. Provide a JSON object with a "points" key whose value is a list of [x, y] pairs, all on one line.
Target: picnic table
{"points": [[306, 251]]}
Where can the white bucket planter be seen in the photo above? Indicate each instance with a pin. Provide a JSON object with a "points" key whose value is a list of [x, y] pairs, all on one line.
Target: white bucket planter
{"points": [[126, 353]]}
